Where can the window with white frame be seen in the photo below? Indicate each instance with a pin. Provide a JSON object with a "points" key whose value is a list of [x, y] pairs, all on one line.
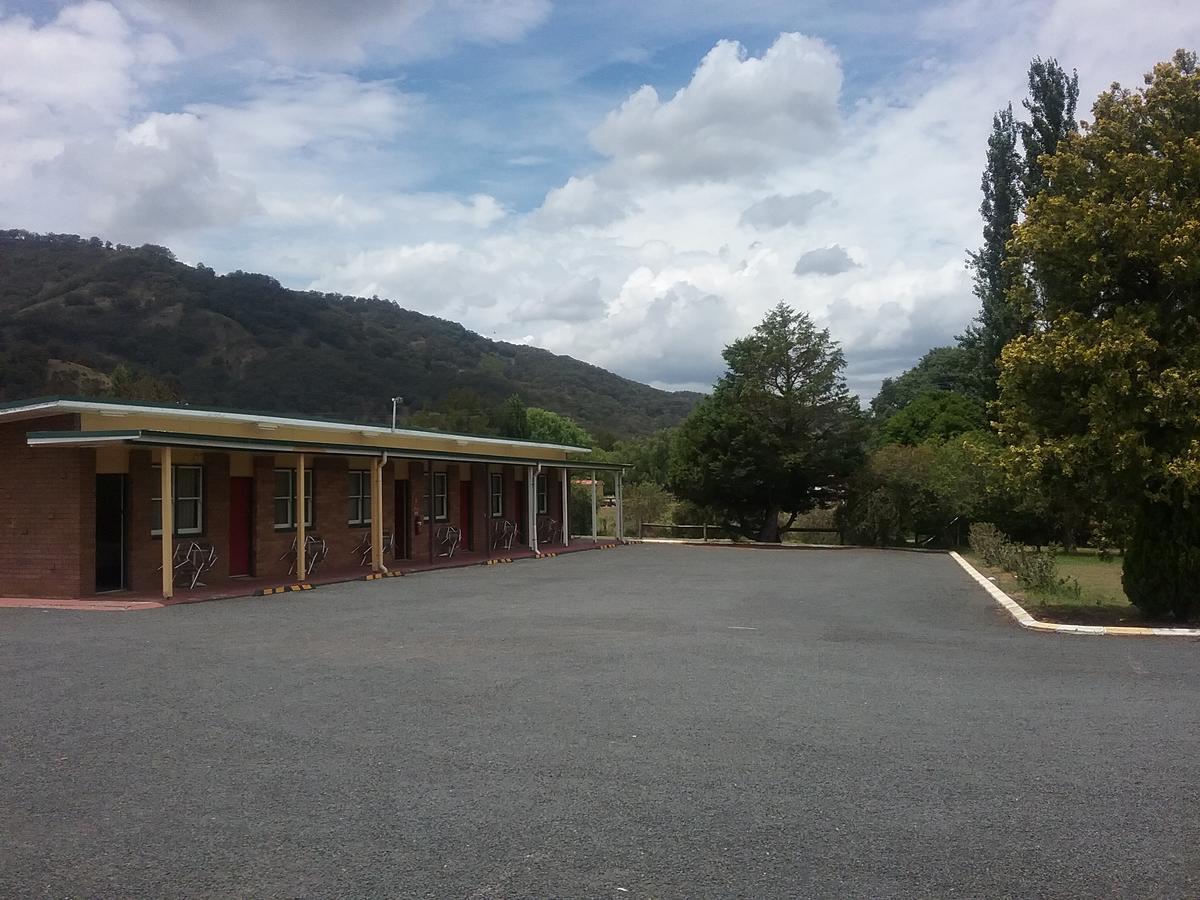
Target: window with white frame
{"points": [[359, 493], [285, 498], [496, 483], [542, 499], [188, 488], [440, 505]]}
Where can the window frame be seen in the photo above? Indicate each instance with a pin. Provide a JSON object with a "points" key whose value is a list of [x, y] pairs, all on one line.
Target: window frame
{"points": [[496, 494], [197, 499], [360, 495], [441, 497], [310, 492], [542, 490]]}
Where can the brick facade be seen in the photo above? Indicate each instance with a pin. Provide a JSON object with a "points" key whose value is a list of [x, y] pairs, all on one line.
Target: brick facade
{"points": [[47, 514], [48, 511]]}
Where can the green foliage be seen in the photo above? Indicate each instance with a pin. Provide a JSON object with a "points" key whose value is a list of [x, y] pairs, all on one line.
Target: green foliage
{"points": [[1037, 569], [1102, 400], [241, 340], [512, 419], [1051, 107], [953, 369], [997, 322], [461, 411], [649, 457], [1008, 180], [580, 510], [684, 512], [555, 429], [933, 416], [644, 502], [779, 433], [125, 385], [892, 497], [1162, 565]]}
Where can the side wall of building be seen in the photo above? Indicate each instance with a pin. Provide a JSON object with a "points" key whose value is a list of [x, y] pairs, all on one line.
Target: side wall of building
{"points": [[47, 514]]}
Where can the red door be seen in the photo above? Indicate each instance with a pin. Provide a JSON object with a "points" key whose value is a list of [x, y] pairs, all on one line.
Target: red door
{"points": [[241, 530]]}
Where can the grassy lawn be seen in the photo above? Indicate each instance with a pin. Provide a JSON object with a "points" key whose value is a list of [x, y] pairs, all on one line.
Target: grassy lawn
{"points": [[1101, 599]]}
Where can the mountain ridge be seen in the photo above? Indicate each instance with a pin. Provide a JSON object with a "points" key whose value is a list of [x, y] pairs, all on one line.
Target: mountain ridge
{"points": [[73, 309]]}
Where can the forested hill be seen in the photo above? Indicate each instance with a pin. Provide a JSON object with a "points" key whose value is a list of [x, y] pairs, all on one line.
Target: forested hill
{"points": [[72, 310]]}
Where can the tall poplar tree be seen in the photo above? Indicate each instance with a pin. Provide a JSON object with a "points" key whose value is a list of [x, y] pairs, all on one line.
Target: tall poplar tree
{"points": [[998, 322], [1051, 107]]}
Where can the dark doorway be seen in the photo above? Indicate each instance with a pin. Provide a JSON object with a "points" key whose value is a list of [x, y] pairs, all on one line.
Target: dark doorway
{"points": [[110, 533], [465, 522], [241, 525], [522, 519], [402, 527]]}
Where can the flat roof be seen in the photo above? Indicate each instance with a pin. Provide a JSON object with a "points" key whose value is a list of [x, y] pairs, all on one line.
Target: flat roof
{"points": [[145, 438], [24, 409]]}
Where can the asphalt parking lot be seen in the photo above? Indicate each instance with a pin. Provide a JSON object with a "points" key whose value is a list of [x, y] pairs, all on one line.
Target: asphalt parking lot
{"points": [[643, 722]]}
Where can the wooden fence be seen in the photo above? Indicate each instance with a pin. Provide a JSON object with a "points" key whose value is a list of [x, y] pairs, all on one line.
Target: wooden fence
{"points": [[707, 530]]}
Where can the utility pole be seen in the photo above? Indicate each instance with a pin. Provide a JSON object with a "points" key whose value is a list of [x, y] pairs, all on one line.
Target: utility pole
{"points": [[395, 400]]}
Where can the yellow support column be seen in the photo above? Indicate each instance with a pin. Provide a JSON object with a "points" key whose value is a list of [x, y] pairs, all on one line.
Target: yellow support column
{"points": [[168, 524], [377, 515], [298, 512]]}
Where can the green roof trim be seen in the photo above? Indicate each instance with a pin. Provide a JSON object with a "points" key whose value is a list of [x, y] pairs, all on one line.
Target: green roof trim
{"points": [[225, 442], [315, 420]]}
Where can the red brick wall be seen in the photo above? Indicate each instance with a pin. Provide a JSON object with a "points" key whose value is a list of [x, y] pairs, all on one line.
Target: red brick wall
{"points": [[479, 506], [330, 516], [47, 514], [145, 549], [269, 544]]}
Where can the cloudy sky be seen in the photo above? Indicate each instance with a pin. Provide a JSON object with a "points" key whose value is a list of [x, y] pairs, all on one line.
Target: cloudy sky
{"points": [[630, 183]]}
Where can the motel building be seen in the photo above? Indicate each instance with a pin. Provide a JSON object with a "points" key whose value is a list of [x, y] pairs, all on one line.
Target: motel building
{"points": [[183, 502]]}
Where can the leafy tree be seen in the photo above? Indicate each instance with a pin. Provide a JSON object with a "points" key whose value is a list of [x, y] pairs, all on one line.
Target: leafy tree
{"points": [[512, 419], [555, 429], [1103, 399], [649, 457], [997, 322], [644, 502], [124, 384], [461, 411], [778, 434], [892, 497], [1051, 107], [933, 416], [941, 369]]}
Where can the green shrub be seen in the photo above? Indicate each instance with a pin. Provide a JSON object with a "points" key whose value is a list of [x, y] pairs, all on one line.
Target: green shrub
{"points": [[986, 540], [1162, 565], [1036, 569]]}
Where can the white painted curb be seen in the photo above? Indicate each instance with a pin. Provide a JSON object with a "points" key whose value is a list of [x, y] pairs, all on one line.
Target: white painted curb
{"points": [[1027, 621]]}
